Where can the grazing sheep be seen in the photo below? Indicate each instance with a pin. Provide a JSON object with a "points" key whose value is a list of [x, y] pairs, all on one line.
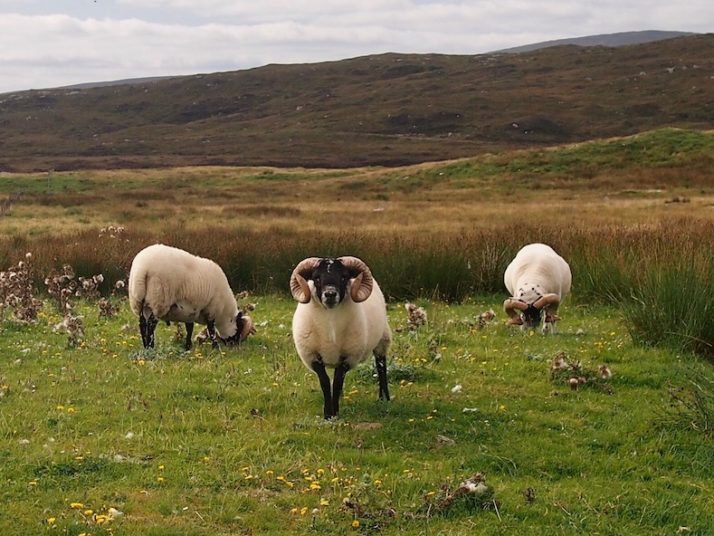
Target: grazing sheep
{"points": [[170, 284], [538, 280], [340, 319]]}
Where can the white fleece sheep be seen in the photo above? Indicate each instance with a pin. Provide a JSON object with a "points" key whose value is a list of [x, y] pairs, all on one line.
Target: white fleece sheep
{"points": [[538, 280], [340, 320], [167, 283]]}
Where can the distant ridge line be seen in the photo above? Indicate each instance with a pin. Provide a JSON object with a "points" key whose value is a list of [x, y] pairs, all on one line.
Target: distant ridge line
{"points": [[608, 40]]}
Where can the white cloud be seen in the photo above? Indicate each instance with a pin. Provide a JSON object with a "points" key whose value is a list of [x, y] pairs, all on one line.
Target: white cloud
{"points": [[44, 44]]}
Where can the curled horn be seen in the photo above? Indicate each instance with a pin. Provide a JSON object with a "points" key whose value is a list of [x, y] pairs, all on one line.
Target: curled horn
{"points": [[362, 282], [510, 305], [545, 300], [298, 279], [248, 328]]}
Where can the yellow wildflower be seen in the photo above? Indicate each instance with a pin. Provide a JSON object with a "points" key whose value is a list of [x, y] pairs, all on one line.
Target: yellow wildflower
{"points": [[355, 524], [324, 502], [76, 505]]}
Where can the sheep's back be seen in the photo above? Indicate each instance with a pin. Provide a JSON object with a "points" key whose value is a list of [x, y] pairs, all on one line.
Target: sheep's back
{"points": [[538, 264], [162, 275]]}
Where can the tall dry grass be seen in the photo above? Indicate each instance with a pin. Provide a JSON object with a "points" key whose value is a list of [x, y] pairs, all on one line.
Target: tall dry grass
{"points": [[662, 273], [606, 260]]}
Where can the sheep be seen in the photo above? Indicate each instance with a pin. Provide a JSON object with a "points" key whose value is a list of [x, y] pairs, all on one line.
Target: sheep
{"points": [[167, 283], [340, 319], [538, 280]]}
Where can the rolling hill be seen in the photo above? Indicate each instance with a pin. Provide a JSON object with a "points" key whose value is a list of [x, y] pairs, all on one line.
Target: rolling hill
{"points": [[388, 109]]}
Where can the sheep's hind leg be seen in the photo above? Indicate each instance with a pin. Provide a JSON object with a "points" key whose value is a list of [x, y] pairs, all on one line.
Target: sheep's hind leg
{"points": [[337, 383], [189, 334], [319, 368], [147, 326], [380, 361]]}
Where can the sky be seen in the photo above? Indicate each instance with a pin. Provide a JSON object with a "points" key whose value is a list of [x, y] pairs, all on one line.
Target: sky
{"points": [[50, 43]]}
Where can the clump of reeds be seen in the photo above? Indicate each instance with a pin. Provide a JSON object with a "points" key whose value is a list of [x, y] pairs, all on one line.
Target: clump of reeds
{"points": [[672, 303]]}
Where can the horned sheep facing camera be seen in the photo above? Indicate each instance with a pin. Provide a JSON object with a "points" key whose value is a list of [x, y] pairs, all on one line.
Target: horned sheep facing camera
{"points": [[340, 319]]}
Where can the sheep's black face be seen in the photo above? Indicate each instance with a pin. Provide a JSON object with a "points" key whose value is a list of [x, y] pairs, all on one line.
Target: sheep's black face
{"points": [[236, 338], [331, 279], [531, 317]]}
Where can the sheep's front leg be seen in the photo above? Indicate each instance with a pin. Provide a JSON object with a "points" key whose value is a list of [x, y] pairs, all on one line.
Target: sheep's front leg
{"points": [[381, 363], [211, 326], [319, 368], [337, 383], [189, 334]]}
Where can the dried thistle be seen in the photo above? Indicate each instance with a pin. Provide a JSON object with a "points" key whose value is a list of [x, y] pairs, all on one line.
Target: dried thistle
{"points": [[111, 231], [472, 492], [574, 374], [106, 308], [17, 291], [486, 318], [72, 326], [416, 316], [62, 286]]}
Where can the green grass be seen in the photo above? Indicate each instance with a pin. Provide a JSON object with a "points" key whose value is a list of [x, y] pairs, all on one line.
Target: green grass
{"points": [[229, 442], [667, 148]]}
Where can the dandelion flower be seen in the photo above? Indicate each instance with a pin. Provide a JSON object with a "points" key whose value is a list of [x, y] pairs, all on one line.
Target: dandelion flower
{"points": [[355, 524], [76, 505], [324, 502]]}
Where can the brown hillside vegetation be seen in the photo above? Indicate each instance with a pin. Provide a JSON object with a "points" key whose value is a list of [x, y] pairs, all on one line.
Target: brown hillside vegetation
{"points": [[389, 109]]}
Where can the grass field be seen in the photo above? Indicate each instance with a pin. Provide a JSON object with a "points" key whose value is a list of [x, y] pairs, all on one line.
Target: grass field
{"points": [[232, 442]]}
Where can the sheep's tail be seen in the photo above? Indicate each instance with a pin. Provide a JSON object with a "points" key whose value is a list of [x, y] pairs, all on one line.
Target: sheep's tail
{"points": [[137, 291]]}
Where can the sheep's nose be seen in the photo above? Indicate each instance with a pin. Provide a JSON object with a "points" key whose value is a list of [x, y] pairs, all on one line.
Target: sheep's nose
{"points": [[330, 294]]}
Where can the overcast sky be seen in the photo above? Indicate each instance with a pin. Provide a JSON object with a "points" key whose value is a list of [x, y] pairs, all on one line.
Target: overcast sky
{"points": [[49, 43]]}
